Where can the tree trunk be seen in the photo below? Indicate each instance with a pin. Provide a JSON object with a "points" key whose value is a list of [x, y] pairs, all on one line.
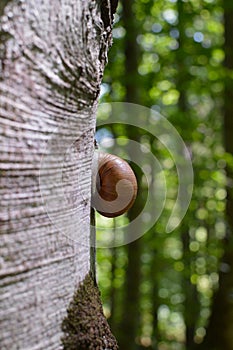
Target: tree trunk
{"points": [[130, 313], [51, 63], [191, 304]]}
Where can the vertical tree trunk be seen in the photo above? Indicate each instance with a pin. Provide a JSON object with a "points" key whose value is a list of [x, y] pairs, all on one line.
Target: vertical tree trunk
{"points": [[113, 291], [220, 329], [191, 304], [130, 315], [51, 63]]}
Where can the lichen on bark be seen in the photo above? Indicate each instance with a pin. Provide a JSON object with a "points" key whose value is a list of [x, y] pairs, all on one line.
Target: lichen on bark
{"points": [[85, 326]]}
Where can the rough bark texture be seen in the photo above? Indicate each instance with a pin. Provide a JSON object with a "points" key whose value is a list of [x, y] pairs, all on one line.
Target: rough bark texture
{"points": [[52, 55], [85, 326]]}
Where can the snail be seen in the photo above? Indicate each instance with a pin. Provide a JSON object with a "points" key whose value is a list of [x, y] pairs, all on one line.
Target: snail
{"points": [[114, 185]]}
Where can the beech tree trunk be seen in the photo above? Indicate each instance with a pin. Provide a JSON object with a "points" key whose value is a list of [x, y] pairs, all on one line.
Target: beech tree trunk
{"points": [[52, 56]]}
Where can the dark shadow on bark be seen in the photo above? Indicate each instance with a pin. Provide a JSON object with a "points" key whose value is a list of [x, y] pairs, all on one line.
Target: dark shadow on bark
{"points": [[85, 326], [3, 4]]}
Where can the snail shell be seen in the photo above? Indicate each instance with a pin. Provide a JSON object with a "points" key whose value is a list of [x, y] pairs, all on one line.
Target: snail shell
{"points": [[114, 185]]}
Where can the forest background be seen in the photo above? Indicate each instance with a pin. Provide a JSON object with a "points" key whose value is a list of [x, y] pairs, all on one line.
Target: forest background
{"points": [[175, 291]]}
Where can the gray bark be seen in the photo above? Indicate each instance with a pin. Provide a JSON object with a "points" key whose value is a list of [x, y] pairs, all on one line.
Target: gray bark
{"points": [[52, 55]]}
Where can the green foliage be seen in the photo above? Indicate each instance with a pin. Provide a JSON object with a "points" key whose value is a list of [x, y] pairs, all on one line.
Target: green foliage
{"points": [[181, 75]]}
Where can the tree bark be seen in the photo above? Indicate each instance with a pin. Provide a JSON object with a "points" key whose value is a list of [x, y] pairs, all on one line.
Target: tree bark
{"points": [[52, 56]]}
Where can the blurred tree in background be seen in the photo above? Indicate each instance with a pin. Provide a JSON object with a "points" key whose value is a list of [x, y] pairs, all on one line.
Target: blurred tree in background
{"points": [[175, 291]]}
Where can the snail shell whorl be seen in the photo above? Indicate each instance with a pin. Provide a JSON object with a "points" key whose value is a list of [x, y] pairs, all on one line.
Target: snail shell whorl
{"points": [[114, 185]]}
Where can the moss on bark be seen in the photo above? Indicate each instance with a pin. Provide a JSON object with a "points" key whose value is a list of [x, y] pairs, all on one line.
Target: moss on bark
{"points": [[85, 326]]}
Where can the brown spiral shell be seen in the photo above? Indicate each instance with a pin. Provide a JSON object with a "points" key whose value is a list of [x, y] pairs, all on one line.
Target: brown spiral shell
{"points": [[115, 186]]}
